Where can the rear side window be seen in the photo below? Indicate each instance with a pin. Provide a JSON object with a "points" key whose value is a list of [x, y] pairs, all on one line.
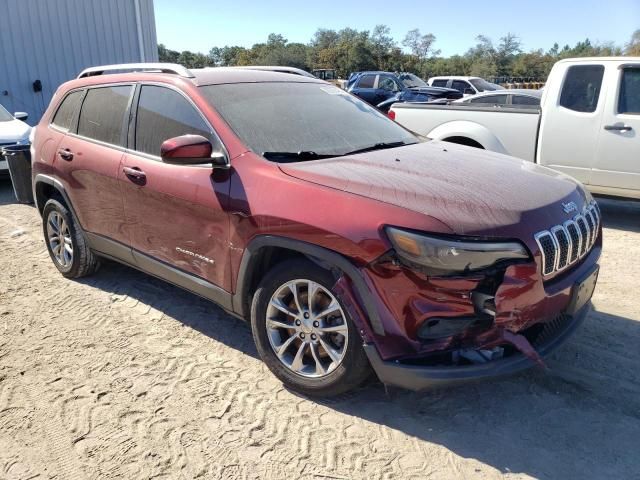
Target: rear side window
{"points": [[367, 81], [66, 110], [524, 100], [581, 88], [102, 116], [439, 83], [163, 114], [629, 99], [490, 100]]}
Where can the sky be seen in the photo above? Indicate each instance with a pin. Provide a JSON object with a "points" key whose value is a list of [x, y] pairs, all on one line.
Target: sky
{"points": [[198, 25]]}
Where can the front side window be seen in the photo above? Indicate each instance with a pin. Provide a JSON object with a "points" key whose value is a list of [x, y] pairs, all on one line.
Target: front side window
{"points": [[581, 88], [66, 110], [102, 116], [629, 97], [460, 85], [163, 114], [302, 117], [367, 81], [388, 84], [484, 86]]}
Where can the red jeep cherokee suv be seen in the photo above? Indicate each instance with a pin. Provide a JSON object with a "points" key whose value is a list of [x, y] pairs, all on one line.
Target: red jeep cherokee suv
{"points": [[348, 242]]}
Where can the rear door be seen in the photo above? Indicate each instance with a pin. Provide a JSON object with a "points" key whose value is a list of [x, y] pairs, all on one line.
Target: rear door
{"points": [[571, 121], [366, 88], [176, 213], [617, 163], [89, 157]]}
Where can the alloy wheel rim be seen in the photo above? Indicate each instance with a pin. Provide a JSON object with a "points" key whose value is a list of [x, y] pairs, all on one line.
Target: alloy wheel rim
{"points": [[59, 238], [307, 328]]}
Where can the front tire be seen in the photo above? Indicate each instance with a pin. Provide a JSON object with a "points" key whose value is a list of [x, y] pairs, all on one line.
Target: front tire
{"points": [[304, 334], [66, 243]]}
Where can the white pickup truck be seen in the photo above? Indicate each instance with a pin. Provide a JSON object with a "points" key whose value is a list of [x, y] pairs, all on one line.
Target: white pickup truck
{"points": [[588, 125]]}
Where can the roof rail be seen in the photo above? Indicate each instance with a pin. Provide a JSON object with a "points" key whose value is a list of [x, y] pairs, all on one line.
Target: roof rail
{"points": [[138, 67]]}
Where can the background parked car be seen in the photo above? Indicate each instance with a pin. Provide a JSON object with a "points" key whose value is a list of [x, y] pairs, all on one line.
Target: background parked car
{"points": [[13, 131], [517, 98], [382, 89], [465, 85]]}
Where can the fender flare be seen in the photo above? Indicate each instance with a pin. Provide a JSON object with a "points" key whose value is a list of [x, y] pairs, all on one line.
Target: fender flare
{"points": [[471, 130], [327, 256], [57, 185]]}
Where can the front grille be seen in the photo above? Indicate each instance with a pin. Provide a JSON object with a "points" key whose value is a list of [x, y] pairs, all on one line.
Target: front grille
{"points": [[563, 245]]}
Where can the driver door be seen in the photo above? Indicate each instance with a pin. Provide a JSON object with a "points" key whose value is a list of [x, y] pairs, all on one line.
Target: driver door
{"points": [[176, 213]]}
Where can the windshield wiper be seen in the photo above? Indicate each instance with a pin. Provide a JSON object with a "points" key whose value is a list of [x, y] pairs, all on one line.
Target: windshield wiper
{"points": [[379, 146], [294, 156]]}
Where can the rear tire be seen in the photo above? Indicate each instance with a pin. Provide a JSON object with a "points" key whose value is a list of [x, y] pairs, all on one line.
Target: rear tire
{"points": [[66, 243], [319, 354]]}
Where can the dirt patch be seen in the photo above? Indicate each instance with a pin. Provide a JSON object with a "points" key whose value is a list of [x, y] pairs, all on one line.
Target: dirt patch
{"points": [[123, 376]]}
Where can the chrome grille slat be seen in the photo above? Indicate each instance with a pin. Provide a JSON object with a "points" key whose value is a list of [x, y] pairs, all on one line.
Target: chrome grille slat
{"points": [[563, 245]]}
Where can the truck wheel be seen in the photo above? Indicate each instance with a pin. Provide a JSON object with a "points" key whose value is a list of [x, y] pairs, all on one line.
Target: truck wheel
{"points": [[65, 242], [303, 333]]}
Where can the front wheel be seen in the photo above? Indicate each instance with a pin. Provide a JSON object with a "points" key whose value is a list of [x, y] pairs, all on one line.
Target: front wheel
{"points": [[304, 334]]}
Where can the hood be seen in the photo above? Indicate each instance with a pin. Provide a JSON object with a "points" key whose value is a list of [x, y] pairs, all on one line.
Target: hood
{"points": [[13, 130], [439, 92], [473, 191]]}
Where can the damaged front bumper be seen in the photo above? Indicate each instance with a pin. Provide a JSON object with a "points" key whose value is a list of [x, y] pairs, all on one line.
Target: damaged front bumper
{"points": [[418, 377]]}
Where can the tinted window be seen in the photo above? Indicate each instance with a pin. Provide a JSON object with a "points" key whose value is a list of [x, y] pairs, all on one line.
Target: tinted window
{"points": [[490, 100], [581, 88], [460, 85], [164, 114], [64, 115], [484, 86], [524, 100], [294, 117], [439, 83], [367, 81], [102, 114], [629, 101]]}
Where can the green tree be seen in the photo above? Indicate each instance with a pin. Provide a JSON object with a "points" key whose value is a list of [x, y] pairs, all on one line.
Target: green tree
{"points": [[382, 44], [633, 47]]}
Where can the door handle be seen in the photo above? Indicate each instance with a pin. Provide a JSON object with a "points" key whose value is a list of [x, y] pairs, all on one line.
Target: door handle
{"points": [[65, 154], [135, 175], [618, 128]]}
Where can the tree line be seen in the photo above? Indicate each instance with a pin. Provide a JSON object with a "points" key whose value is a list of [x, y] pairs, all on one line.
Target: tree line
{"points": [[349, 50]]}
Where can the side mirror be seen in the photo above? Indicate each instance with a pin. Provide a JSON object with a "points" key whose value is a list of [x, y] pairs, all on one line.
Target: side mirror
{"points": [[21, 116], [469, 91], [191, 150]]}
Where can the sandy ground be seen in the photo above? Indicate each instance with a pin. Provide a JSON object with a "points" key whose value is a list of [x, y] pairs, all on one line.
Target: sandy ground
{"points": [[123, 376]]}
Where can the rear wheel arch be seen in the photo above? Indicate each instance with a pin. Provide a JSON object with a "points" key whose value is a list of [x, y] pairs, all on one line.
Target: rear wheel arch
{"points": [[469, 142], [266, 251]]}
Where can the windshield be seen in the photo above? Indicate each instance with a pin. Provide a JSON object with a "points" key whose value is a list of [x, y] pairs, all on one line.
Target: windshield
{"points": [[410, 80], [4, 115], [302, 117], [484, 86]]}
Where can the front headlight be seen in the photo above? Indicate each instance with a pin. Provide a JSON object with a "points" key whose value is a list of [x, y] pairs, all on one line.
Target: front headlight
{"points": [[445, 256]]}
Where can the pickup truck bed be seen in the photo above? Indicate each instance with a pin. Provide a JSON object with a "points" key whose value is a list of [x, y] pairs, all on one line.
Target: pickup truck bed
{"points": [[512, 131]]}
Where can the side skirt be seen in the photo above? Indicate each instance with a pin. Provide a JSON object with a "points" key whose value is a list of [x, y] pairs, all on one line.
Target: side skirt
{"points": [[119, 252]]}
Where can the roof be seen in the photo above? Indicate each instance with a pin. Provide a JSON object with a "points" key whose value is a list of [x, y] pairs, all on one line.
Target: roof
{"points": [[172, 73], [455, 77], [510, 91], [600, 59]]}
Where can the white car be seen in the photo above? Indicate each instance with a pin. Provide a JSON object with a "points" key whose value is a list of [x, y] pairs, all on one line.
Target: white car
{"points": [[465, 85], [587, 126], [13, 131]]}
